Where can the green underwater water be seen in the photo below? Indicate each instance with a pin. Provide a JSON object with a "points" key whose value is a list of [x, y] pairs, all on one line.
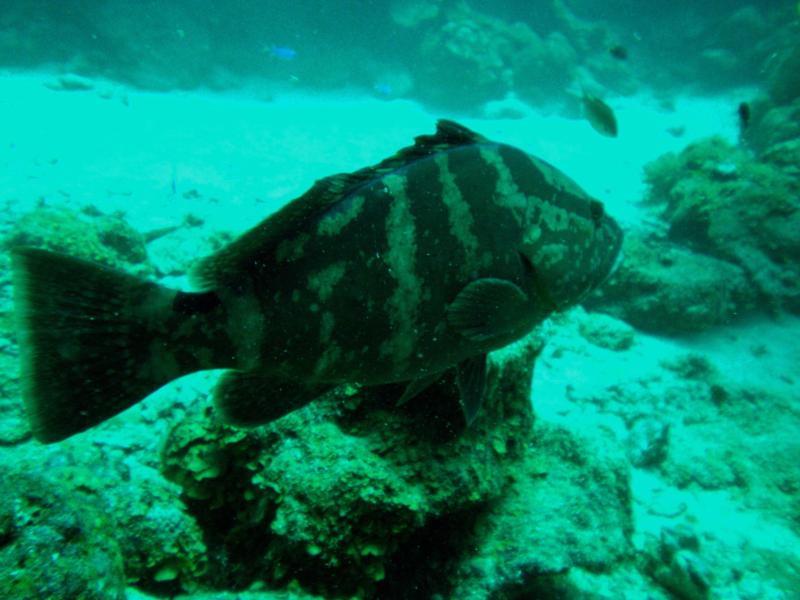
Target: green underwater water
{"points": [[641, 444]]}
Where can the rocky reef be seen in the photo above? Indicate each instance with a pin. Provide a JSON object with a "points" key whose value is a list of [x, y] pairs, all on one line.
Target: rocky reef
{"points": [[602, 487], [469, 57], [724, 237], [483, 58], [53, 545], [729, 245], [351, 496], [124, 515], [662, 286], [448, 53], [720, 202], [707, 437], [89, 234], [355, 496]]}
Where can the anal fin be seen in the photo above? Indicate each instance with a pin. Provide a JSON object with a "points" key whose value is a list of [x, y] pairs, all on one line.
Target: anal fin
{"points": [[417, 386], [249, 399]]}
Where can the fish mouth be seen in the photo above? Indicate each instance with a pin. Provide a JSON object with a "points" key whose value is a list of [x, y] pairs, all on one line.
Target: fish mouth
{"points": [[617, 263]]}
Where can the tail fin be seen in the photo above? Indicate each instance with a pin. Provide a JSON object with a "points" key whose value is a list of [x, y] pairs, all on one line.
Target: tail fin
{"points": [[93, 341]]}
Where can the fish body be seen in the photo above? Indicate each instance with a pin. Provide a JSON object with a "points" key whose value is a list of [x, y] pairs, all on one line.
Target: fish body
{"points": [[281, 52], [743, 111], [618, 51], [449, 249], [383, 89], [600, 115]]}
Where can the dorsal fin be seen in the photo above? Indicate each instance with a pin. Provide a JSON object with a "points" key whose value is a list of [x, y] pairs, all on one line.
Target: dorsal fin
{"points": [[449, 135], [259, 243]]}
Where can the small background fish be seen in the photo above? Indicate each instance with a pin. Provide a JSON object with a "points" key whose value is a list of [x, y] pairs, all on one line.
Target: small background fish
{"points": [[619, 52], [599, 115], [281, 52]]}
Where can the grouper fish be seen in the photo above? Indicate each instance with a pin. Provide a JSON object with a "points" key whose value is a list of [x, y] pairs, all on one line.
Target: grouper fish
{"points": [[451, 248]]}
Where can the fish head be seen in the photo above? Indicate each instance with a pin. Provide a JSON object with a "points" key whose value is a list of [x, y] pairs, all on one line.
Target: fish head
{"points": [[570, 245]]}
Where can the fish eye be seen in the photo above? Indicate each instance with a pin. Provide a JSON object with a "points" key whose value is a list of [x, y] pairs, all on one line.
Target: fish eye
{"points": [[597, 211]]}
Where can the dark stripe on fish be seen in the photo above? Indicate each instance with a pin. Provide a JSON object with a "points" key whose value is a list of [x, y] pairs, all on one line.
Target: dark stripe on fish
{"points": [[532, 180], [477, 180], [439, 252]]}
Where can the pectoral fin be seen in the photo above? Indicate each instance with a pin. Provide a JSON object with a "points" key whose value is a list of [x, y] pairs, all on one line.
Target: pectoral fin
{"points": [[489, 309]]}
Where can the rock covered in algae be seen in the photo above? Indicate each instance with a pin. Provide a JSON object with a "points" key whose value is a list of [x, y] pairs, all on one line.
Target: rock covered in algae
{"points": [[604, 331], [53, 545], [664, 287], [675, 562], [353, 496], [568, 506], [254, 593], [773, 129], [107, 239], [721, 202], [160, 547], [343, 494], [783, 78], [410, 13], [482, 57], [13, 422], [469, 55]]}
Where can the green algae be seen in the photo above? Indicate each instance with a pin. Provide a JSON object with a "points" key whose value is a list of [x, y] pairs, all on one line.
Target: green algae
{"points": [[720, 201], [54, 545], [107, 239]]}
